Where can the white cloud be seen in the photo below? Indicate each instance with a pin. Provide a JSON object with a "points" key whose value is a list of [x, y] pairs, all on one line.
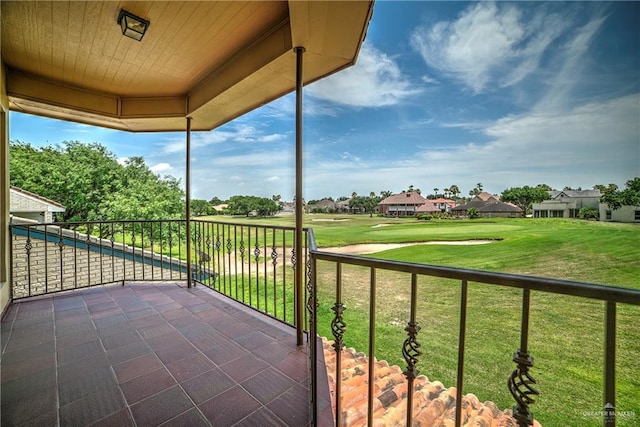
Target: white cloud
{"points": [[593, 143], [489, 43], [162, 168], [122, 160], [375, 81], [241, 133], [428, 79]]}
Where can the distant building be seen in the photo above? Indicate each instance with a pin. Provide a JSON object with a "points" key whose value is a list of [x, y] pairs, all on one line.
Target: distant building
{"points": [[25, 204], [567, 203], [445, 205], [622, 214], [403, 204], [488, 206]]}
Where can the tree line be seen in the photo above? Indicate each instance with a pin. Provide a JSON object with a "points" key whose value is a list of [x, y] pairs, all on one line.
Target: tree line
{"points": [[92, 185]]}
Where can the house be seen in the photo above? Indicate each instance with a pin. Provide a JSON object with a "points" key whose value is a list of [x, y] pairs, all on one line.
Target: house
{"points": [[488, 206], [445, 205], [403, 204], [428, 208], [567, 203], [25, 204], [622, 214]]}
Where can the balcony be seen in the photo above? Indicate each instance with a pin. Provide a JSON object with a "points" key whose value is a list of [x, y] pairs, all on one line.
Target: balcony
{"points": [[104, 328]]}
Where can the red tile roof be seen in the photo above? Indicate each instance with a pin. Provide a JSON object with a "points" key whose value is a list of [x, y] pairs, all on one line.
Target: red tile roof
{"points": [[408, 198], [434, 405]]}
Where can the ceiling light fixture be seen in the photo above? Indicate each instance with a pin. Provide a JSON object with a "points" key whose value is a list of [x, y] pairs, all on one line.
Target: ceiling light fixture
{"points": [[132, 26]]}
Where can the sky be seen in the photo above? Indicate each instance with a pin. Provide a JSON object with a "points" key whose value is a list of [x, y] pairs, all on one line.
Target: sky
{"points": [[504, 94]]}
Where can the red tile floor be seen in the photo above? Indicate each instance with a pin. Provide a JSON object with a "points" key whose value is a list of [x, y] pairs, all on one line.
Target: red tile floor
{"points": [[146, 355]]}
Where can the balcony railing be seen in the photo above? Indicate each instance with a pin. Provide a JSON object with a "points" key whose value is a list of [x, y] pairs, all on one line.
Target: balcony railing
{"points": [[521, 383], [252, 264], [255, 265]]}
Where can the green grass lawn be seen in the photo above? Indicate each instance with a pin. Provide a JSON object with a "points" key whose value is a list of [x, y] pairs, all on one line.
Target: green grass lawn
{"points": [[566, 338]]}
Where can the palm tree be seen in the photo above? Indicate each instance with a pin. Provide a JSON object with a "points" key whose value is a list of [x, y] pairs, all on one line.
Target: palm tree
{"points": [[454, 190], [435, 192]]}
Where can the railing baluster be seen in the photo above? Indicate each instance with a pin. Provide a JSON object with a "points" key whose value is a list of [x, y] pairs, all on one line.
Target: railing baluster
{"points": [[75, 258], [151, 242], [461, 350], [372, 344], [242, 257], [88, 242], [284, 275], [101, 265], [46, 262], [274, 261], [256, 253], [113, 257], [411, 348], [264, 269], [60, 249], [521, 382], [27, 247], [610, 365], [338, 328]]}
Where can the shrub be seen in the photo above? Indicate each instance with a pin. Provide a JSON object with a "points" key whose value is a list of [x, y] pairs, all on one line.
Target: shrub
{"points": [[473, 213], [588, 213]]}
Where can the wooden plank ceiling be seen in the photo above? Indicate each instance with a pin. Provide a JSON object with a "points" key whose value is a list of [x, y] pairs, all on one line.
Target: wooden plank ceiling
{"points": [[209, 60]]}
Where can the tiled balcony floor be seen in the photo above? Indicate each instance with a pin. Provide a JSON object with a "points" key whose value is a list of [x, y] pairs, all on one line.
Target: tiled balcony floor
{"points": [[149, 354]]}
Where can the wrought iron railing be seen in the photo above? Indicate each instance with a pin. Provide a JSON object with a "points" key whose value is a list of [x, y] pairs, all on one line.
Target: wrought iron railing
{"points": [[521, 383], [252, 264], [49, 258]]}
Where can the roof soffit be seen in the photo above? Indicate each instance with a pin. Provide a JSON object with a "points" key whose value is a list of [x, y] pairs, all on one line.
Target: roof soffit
{"points": [[212, 61]]}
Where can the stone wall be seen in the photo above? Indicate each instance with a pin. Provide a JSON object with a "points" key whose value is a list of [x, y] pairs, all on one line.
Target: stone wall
{"points": [[70, 260]]}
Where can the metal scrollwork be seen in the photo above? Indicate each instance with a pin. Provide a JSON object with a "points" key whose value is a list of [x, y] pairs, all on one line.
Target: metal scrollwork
{"points": [[293, 258], [338, 326], [521, 388], [229, 246], [274, 256], [242, 249], [411, 350], [218, 244], [256, 252]]}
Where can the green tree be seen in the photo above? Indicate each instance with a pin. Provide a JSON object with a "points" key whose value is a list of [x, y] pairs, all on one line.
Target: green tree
{"points": [[454, 190], [200, 207], [142, 195], [244, 205], [473, 213], [630, 196], [477, 190], [370, 203], [91, 184], [524, 197], [74, 174]]}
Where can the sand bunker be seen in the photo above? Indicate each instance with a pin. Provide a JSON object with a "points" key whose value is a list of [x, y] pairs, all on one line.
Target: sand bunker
{"points": [[370, 248]]}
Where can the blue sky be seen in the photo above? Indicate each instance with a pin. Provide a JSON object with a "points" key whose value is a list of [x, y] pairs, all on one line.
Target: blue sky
{"points": [[506, 94]]}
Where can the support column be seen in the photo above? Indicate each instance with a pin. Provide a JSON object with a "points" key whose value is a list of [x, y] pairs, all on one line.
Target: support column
{"points": [[188, 201], [300, 266]]}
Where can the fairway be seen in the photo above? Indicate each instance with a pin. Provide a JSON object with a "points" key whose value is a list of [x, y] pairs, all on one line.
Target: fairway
{"points": [[566, 338]]}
